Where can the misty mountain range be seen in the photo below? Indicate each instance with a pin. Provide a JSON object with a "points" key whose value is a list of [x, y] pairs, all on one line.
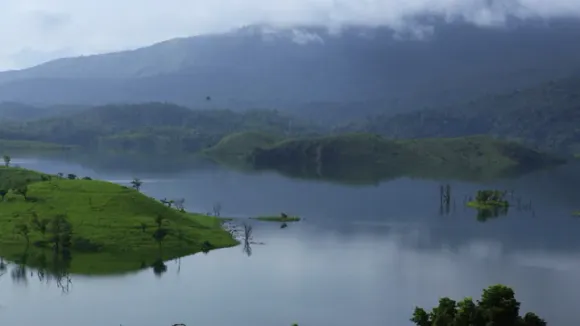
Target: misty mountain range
{"points": [[374, 69]]}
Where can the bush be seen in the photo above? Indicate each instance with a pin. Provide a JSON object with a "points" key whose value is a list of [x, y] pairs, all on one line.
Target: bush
{"points": [[86, 245], [498, 306]]}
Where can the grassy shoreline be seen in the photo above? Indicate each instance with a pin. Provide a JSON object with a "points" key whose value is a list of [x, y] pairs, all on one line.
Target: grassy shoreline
{"points": [[115, 229], [486, 205], [276, 218]]}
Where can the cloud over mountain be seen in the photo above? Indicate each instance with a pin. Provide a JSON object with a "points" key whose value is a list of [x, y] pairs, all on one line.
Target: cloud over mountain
{"points": [[32, 31]]}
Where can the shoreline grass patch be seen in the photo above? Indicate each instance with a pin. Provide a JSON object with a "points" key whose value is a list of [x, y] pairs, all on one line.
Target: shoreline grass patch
{"points": [[489, 199], [282, 219]]}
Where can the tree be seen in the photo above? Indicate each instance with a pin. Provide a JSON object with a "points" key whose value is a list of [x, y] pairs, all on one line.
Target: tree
{"points": [[60, 230], [159, 220], [179, 204], [217, 209], [41, 225], [3, 193], [24, 231], [71, 176], [159, 235], [7, 160], [498, 306], [22, 190], [136, 183]]}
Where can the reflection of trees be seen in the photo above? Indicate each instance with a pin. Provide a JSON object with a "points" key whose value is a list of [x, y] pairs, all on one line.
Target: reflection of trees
{"points": [[19, 273], [56, 268], [158, 265], [2, 266], [247, 239], [445, 200], [490, 213]]}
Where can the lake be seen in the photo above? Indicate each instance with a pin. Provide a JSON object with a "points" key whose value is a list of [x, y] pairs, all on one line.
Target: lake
{"points": [[363, 255]]}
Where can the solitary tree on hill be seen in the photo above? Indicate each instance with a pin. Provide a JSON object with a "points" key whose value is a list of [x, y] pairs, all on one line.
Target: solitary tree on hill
{"points": [[136, 184], [7, 160]]}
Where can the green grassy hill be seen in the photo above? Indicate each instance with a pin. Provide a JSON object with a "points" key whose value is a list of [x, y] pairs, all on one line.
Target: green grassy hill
{"points": [[369, 157], [112, 225]]}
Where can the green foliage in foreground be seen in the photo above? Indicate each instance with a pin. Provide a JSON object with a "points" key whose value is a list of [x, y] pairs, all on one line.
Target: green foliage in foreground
{"points": [[115, 228], [497, 306]]}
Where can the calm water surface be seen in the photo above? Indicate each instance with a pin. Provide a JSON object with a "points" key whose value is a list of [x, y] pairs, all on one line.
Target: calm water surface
{"points": [[364, 255]]}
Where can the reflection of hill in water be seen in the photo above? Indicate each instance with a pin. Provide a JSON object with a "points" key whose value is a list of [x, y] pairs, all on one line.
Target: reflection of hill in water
{"points": [[372, 174], [131, 163], [43, 265], [361, 174], [515, 232]]}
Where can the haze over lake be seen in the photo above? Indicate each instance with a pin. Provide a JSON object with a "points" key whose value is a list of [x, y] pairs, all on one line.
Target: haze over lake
{"points": [[363, 255]]}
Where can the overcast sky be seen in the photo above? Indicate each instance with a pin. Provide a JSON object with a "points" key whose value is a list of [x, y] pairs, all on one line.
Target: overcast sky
{"points": [[33, 31]]}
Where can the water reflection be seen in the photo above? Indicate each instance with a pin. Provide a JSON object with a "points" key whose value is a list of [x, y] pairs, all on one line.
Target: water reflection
{"points": [[483, 215], [445, 200], [373, 252], [48, 266], [159, 267], [248, 229]]}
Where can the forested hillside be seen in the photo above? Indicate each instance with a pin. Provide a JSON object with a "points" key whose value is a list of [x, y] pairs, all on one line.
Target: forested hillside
{"points": [[360, 71], [546, 116], [150, 126]]}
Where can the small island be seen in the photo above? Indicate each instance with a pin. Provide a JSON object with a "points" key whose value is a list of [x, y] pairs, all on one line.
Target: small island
{"points": [[108, 228], [489, 199], [369, 158], [283, 218]]}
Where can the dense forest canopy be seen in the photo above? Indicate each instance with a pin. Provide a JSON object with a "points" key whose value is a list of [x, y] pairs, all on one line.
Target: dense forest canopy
{"points": [[545, 116]]}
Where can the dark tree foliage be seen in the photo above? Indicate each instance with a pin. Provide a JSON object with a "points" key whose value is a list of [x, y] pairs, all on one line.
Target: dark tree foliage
{"points": [[545, 116], [60, 230], [3, 193], [136, 183], [498, 306], [22, 190]]}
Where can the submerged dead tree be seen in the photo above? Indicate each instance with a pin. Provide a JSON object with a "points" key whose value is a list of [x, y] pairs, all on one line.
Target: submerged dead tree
{"points": [[444, 199]]}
